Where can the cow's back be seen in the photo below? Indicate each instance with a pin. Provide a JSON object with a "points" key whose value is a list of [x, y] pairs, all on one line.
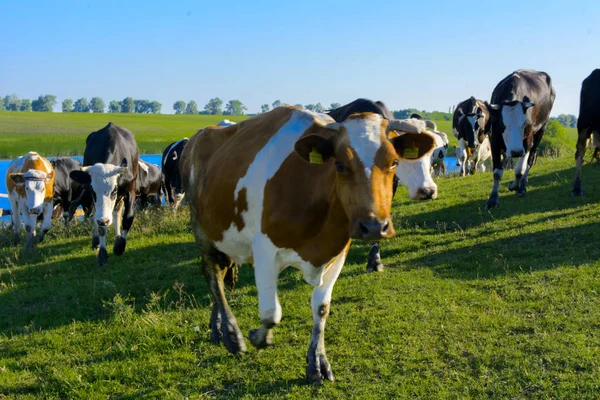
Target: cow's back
{"points": [[589, 105], [360, 106]]}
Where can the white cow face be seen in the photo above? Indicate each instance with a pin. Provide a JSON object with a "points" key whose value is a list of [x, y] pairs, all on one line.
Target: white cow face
{"points": [[34, 183], [416, 176], [102, 179], [510, 119]]}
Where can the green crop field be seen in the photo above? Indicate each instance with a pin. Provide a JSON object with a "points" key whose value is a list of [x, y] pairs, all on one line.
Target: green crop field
{"points": [[52, 134], [472, 304]]}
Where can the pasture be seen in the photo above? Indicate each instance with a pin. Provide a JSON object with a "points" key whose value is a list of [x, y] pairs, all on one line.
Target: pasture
{"points": [[472, 304]]}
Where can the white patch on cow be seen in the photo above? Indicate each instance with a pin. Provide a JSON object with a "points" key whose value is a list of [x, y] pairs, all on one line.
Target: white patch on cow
{"points": [[143, 165], [225, 122], [171, 148], [472, 121], [415, 175], [441, 147], [483, 153], [514, 121], [365, 138], [104, 182]]}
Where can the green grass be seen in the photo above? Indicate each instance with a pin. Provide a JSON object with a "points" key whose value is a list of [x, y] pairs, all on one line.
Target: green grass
{"points": [[52, 134], [502, 305]]}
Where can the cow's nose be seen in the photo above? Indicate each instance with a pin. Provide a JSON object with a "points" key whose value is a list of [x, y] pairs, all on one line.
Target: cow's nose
{"points": [[517, 153], [35, 211], [426, 193], [102, 221], [373, 229]]}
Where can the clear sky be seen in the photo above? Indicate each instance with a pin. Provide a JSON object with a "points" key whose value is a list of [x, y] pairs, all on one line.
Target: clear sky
{"points": [[422, 54]]}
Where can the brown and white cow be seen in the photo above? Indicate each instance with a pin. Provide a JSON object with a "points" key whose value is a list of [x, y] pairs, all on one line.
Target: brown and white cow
{"points": [[290, 188], [30, 183]]}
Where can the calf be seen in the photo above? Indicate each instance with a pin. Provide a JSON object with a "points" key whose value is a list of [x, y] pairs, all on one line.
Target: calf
{"points": [[587, 124], [110, 172], [170, 169], [149, 184], [289, 188], [68, 194], [413, 173], [476, 162], [30, 184], [519, 112]]}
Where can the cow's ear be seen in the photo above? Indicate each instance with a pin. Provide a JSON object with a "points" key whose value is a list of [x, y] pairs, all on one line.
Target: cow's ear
{"points": [[314, 149], [413, 146], [18, 179], [81, 177], [527, 103]]}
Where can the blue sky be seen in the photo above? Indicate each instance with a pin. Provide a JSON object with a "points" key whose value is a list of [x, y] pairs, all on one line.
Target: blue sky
{"points": [[428, 55]]}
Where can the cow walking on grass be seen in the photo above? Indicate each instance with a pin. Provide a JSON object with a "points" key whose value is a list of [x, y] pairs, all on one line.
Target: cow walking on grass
{"points": [[68, 194], [30, 184], [110, 171], [289, 188], [170, 169]]}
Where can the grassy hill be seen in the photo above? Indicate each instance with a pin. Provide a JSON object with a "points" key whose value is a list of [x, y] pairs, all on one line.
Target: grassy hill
{"points": [[472, 304]]}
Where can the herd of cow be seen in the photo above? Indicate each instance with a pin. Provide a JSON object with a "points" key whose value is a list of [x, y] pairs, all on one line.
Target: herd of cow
{"points": [[291, 187]]}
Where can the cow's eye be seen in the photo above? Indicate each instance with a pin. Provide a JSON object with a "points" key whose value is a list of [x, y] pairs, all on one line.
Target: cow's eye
{"points": [[113, 194], [339, 167], [394, 164]]}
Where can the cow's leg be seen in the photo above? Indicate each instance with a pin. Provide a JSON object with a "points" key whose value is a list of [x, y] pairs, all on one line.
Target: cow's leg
{"points": [[15, 218], [443, 168], [121, 240], [266, 272], [582, 139], [102, 253], [95, 237], [520, 170], [493, 201], [47, 221], [374, 263], [531, 156], [223, 322], [118, 217], [169, 191], [30, 222], [318, 367], [231, 277]]}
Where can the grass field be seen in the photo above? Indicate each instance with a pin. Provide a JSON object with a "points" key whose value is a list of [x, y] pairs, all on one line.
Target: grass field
{"points": [[52, 134], [502, 305]]}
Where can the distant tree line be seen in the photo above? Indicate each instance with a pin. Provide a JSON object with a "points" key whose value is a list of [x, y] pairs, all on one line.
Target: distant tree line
{"points": [[12, 102], [431, 115], [213, 107], [127, 105], [566, 120]]}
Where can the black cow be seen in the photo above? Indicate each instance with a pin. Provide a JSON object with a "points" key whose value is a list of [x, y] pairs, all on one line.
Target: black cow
{"points": [[149, 184], [68, 194], [519, 111], [588, 123], [110, 172], [170, 168], [422, 188]]}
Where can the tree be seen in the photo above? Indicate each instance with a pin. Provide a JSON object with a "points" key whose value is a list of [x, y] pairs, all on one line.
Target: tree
{"points": [[44, 103], [67, 105], [319, 108], [192, 107], [213, 107], [127, 105], [277, 103], [264, 108], [25, 105], [1, 104], [97, 105], [554, 129], [179, 107], [155, 107], [12, 102], [81, 105], [235, 107], [310, 107], [333, 106], [141, 106], [300, 106], [114, 107]]}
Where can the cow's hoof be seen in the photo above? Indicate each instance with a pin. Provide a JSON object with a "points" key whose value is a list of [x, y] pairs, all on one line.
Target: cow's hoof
{"points": [[521, 192], [376, 266], [512, 186], [119, 246], [577, 191], [318, 368], [95, 242], [16, 240], [233, 339], [261, 337], [215, 326], [102, 257], [492, 203]]}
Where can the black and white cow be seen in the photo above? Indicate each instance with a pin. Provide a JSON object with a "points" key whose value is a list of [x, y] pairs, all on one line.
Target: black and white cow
{"points": [[520, 107], [110, 172], [170, 168], [587, 124], [149, 184], [470, 124], [69, 194], [416, 175]]}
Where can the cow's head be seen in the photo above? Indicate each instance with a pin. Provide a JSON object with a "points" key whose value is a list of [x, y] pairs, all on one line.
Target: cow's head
{"points": [[471, 128], [415, 174], [34, 182], [103, 182], [510, 120], [365, 162]]}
